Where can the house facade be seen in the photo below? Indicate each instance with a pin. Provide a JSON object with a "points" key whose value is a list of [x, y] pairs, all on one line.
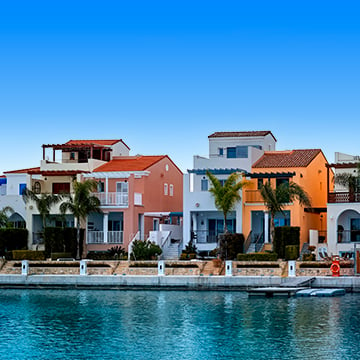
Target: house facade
{"points": [[229, 152], [306, 168], [138, 194], [343, 222], [68, 162]]}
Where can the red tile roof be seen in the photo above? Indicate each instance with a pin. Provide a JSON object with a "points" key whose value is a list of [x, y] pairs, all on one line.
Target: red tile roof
{"points": [[240, 134], [94, 142], [288, 159], [130, 163], [23, 171]]}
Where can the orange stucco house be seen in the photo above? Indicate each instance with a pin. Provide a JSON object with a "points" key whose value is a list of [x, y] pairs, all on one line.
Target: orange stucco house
{"points": [[137, 195], [308, 169]]}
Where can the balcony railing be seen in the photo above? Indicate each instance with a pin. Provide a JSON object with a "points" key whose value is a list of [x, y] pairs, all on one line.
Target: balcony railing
{"points": [[98, 237], [344, 197], [348, 236], [204, 237], [113, 198], [253, 196]]}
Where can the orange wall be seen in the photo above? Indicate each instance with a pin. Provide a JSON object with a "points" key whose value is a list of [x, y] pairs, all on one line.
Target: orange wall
{"points": [[313, 179]]}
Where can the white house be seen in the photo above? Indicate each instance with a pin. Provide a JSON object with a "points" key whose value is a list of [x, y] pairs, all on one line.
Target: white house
{"points": [[228, 152], [343, 209]]}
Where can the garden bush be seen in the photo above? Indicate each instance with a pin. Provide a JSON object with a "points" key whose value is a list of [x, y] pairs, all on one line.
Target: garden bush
{"points": [[285, 235], [12, 239], [145, 250], [291, 252], [267, 256], [28, 255], [231, 245]]}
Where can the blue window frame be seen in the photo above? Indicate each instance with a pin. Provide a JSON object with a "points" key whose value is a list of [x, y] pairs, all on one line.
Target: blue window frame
{"points": [[231, 152], [204, 185], [22, 187], [221, 152]]}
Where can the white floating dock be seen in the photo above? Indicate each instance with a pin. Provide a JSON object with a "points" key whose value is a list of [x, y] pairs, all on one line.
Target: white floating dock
{"points": [[320, 292]]}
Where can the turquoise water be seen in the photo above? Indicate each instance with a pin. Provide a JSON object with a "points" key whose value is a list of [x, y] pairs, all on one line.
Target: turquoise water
{"points": [[70, 324]]}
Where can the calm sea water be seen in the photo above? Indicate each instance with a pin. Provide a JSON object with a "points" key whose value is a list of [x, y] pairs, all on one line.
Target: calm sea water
{"points": [[70, 324]]}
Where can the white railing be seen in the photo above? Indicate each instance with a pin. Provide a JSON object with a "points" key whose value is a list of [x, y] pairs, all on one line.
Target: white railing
{"points": [[113, 198], [133, 237], [115, 237], [98, 237]]}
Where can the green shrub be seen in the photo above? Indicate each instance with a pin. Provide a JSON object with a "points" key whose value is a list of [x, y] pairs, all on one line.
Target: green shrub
{"points": [[291, 252], [58, 255], [231, 245], [12, 239], [308, 257], [145, 250], [285, 235], [59, 239], [105, 255], [28, 255], [268, 256]]}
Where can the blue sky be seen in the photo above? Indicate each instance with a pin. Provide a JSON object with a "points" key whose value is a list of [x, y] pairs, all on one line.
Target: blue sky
{"points": [[163, 75]]}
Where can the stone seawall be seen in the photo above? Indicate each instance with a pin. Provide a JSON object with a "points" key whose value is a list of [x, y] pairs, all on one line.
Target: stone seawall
{"points": [[155, 282]]}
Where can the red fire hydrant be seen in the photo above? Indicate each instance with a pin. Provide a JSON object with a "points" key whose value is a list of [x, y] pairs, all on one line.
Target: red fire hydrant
{"points": [[335, 266]]}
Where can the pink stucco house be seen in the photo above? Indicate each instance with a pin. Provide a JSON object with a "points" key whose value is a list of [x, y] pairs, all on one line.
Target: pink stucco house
{"points": [[138, 194]]}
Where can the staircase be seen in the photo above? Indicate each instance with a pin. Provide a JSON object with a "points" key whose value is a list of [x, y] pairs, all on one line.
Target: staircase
{"points": [[171, 252]]}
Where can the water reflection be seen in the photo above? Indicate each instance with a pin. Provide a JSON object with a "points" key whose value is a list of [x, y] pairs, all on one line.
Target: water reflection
{"points": [[175, 325]]}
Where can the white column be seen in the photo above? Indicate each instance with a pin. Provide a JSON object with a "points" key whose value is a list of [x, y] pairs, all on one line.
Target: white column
{"points": [[25, 267], [228, 268], [83, 267], [106, 227], [107, 200], [161, 267], [266, 227]]}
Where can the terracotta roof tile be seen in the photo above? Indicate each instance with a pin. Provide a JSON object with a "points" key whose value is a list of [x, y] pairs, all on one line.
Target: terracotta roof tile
{"points": [[240, 134], [97, 142], [291, 158], [130, 163], [22, 171]]}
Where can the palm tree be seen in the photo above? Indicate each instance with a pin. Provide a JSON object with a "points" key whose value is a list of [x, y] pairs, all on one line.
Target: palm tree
{"points": [[81, 204], [43, 202], [226, 195], [4, 218], [276, 199]]}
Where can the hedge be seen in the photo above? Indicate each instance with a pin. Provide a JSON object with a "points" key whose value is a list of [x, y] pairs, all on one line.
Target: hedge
{"points": [[13, 239], [58, 239], [257, 257], [28, 255], [285, 235]]}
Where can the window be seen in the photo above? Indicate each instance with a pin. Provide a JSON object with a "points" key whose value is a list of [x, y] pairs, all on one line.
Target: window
{"points": [[166, 189], [204, 184], [281, 181], [72, 156], [22, 188], [239, 152], [221, 152], [122, 193], [61, 188], [37, 187], [231, 152], [260, 183], [171, 190], [282, 219], [101, 186]]}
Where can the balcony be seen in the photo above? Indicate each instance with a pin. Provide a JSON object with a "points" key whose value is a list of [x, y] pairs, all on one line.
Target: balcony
{"points": [[98, 237], [204, 237], [113, 198], [343, 197], [253, 196]]}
